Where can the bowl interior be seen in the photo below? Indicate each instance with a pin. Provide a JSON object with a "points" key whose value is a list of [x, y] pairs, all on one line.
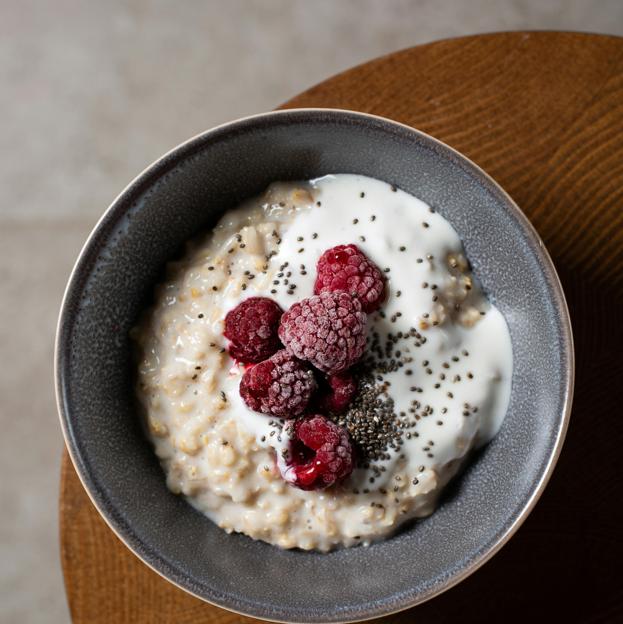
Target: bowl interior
{"points": [[188, 190]]}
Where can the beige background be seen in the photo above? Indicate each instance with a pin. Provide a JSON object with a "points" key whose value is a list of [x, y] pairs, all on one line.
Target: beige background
{"points": [[90, 93]]}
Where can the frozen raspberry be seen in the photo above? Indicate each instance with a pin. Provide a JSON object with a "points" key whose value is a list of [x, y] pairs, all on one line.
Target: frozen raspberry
{"points": [[280, 386], [252, 329], [328, 330], [335, 392], [320, 454], [348, 269]]}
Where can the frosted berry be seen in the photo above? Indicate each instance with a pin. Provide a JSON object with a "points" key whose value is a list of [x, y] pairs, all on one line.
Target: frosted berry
{"points": [[280, 386], [327, 330], [335, 392], [252, 329], [346, 268], [320, 454]]}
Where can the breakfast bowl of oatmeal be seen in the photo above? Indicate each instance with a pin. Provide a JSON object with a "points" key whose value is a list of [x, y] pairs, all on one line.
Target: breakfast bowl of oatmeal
{"points": [[314, 344]]}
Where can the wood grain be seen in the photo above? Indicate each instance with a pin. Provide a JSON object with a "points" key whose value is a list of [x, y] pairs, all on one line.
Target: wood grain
{"points": [[543, 114]]}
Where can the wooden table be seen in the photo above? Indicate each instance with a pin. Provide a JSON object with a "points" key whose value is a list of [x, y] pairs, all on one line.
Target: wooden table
{"points": [[543, 114]]}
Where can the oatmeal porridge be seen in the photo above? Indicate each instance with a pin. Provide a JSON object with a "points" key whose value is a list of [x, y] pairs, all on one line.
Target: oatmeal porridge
{"points": [[318, 366]]}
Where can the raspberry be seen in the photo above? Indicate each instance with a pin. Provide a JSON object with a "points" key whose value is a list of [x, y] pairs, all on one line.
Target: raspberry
{"points": [[280, 386], [320, 454], [336, 392], [348, 269], [252, 329], [328, 330]]}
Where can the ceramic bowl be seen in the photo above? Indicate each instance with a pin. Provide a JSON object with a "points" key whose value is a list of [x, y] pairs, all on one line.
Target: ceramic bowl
{"points": [[186, 191]]}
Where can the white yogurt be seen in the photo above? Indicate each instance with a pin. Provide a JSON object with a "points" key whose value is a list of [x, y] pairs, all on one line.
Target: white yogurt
{"points": [[221, 455]]}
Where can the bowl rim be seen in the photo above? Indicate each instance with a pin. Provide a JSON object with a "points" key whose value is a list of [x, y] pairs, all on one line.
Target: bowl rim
{"points": [[183, 150]]}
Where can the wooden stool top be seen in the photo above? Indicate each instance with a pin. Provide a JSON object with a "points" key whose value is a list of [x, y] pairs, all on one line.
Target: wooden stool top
{"points": [[541, 112]]}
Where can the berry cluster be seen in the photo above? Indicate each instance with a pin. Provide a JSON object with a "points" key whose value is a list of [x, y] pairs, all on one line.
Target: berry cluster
{"points": [[298, 360]]}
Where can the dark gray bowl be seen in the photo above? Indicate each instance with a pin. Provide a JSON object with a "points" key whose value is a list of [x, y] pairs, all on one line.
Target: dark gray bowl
{"points": [[186, 191]]}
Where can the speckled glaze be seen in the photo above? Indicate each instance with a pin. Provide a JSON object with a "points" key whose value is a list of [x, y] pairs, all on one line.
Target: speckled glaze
{"points": [[186, 191]]}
